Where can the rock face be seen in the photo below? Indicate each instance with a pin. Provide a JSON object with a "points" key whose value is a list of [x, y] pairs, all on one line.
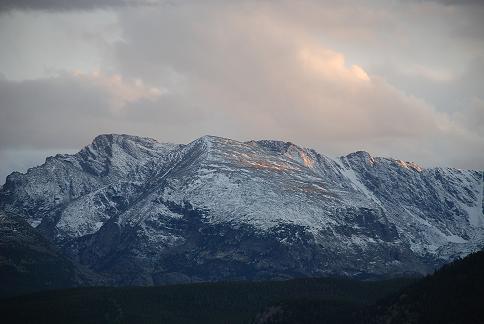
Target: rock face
{"points": [[144, 212]]}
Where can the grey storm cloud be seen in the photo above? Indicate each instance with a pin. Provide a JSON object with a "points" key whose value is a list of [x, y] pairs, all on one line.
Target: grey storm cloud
{"points": [[34, 112], [461, 2], [65, 5], [62, 5]]}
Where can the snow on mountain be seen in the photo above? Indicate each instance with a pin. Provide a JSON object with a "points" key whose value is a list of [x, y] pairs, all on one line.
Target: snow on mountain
{"points": [[145, 212], [51, 193]]}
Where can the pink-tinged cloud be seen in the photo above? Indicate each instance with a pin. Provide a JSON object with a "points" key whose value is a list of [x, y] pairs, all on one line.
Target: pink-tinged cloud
{"points": [[121, 91]]}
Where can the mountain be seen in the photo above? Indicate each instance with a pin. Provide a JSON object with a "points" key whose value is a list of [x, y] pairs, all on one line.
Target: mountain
{"points": [[145, 213], [28, 262]]}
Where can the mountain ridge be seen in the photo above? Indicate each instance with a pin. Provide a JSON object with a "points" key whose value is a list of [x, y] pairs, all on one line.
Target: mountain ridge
{"points": [[147, 212]]}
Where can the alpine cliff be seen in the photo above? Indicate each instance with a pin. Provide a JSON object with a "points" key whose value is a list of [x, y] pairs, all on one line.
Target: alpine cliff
{"points": [[142, 212]]}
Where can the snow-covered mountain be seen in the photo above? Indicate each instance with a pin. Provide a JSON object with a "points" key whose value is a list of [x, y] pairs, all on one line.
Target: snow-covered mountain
{"points": [[145, 212]]}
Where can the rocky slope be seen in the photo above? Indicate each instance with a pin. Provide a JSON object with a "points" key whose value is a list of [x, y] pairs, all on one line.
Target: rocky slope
{"points": [[144, 212], [29, 262]]}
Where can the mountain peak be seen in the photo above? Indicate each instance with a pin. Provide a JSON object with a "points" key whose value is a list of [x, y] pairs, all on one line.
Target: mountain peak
{"points": [[273, 145], [112, 138], [360, 155], [210, 139]]}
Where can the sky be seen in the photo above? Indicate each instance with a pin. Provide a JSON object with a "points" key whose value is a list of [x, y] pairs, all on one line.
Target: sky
{"points": [[402, 79]]}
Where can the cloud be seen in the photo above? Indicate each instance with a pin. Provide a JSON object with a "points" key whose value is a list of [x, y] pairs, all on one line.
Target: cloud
{"points": [[269, 78], [459, 2], [472, 117], [42, 44], [122, 91], [49, 113], [67, 111], [328, 64], [64, 5], [431, 74], [450, 92], [251, 70]]}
